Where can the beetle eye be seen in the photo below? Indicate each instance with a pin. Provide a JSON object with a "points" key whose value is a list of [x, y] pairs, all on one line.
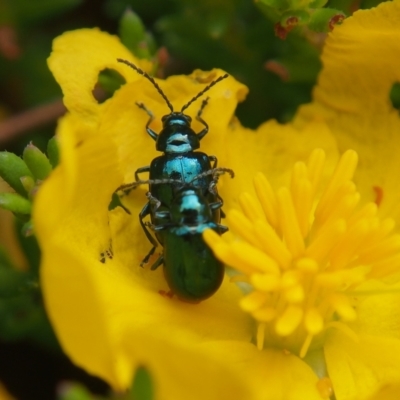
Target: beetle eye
{"points": [[188, 118], [164, 118]]}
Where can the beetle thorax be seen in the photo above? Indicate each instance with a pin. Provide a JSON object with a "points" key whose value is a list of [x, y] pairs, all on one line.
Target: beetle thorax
{"points": [[177, 136]]}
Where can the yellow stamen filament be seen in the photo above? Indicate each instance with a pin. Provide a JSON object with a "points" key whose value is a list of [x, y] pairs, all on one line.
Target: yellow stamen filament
{"points": [[265, 282], [290, 227], [240, 224], [272, 244], [289, 320], [251, 207], [253, 301], [324, 242], [267, 199], [260, 335], [344, 172], [315, 167], [313, 321], [305, 253]]}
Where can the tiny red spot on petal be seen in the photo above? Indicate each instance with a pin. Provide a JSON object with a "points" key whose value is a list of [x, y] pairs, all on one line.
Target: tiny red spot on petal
{"points": [[168, 294], [378, 195]]}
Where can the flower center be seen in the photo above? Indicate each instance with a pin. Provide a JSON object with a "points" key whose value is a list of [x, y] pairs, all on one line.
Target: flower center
{"points": [[304, 253]]}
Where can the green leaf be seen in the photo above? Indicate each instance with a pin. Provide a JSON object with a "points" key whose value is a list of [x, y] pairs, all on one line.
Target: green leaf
{"points": [[37, 162], [73, 391], [53, 151], [142, 388], [12, 168], [28, 182], [133, 35], [15, 203]]}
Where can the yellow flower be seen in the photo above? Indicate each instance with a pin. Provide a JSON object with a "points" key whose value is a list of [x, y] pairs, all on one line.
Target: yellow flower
{"points": [[110, 318]]}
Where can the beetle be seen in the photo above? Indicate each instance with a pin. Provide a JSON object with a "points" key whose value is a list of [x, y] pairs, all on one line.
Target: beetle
{"points": [[191, 270], [180, 162]]}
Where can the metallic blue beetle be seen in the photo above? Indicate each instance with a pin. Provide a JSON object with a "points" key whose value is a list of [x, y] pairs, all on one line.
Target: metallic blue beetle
{"points": [[177, 140]]}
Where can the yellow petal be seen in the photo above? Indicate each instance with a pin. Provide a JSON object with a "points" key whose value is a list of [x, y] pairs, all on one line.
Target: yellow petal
{"points": [[389, 391], [4, 395], [76, 61], [358, 369], [271, 374], [93, 306], [273, 149], [361, 64], [378, 309]]}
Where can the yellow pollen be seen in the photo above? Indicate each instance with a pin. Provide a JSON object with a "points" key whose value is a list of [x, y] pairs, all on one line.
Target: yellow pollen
{"points": [[325, 388], [304, 250]]}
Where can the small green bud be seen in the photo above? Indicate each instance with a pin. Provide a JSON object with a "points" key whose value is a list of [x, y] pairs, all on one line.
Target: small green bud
{"points": [[318, 3], [28, 183], [73, 391], [53, 151], [37, 162], [133, 35], [27, 229], [293, 18], [15, 203], [12, 168], [324, 19]]}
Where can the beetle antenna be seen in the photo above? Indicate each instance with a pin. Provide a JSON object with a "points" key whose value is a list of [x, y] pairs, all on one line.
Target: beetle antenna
{"points": [[151, 79], [207, 88], [215, 172]]}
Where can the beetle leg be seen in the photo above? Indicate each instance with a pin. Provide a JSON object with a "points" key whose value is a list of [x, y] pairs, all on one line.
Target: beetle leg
{"points": [[146, 211], [126, 187], [154, 202], [149, 254], [158, 262], [204, 132], [150, 131], [216, 204], [140, 171], [222, 229], [214, 160]]}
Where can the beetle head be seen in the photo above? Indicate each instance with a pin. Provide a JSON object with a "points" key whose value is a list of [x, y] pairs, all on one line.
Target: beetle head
{"points": [[177, 136]]}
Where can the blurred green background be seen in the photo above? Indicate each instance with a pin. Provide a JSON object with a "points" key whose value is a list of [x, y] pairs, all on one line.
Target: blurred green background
{"points": [[273, 46]]}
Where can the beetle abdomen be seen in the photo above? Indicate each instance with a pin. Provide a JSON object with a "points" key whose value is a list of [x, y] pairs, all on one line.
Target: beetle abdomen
{"points": [[191, 269]]}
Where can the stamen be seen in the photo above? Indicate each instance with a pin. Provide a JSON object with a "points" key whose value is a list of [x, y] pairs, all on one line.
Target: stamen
{"points": [[290, 226], [289, 320], [250, 207], [313, 321], [260, 335], [304, 256], [306, 346], [344, 172], [272, 244], [267, 199], [239, 223], [315, 167]]}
